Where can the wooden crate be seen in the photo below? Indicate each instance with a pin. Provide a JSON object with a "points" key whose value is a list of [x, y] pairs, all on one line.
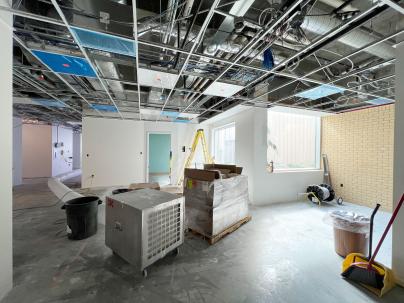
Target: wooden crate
{"points": [[213, 239]]}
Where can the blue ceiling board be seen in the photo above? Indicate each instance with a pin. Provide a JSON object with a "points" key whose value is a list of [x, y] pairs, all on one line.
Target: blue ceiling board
{"points": [[66, 64], [105, 107], [49, 102], [105, 42], [170, 114]]}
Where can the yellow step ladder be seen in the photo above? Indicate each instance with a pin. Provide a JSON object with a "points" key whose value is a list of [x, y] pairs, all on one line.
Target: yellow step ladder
{"points": [[200, 135]]}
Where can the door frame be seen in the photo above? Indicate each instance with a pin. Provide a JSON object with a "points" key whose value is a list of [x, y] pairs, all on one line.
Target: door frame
{"points": [[148, 133]]}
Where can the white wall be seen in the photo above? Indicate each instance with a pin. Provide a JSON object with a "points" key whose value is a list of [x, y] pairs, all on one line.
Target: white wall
{"points": [[251, 154], [244, 145], [76, 150], [62, 161], [36, 151], [17, 151], [278, 186], [112, 152], [398, 185], [6, 131], [119, 155]]}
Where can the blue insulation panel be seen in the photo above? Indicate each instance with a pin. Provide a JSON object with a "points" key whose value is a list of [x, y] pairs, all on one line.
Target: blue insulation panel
{"points": [[320, 92], [49, 102], [105, 42], [379, 101], [170, 114], [65, 64], [105, 107]]}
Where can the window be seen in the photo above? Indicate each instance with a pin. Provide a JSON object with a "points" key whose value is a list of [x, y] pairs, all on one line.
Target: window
{"points": [[224, 139], [293, 140]]}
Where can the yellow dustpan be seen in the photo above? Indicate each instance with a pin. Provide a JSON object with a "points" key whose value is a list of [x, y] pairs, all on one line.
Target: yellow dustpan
{"points": [[355, 259], [374, 276]]}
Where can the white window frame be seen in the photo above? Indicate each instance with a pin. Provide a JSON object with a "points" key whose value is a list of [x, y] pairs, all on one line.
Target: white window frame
{"points": [[317, 138], [213, 147]]}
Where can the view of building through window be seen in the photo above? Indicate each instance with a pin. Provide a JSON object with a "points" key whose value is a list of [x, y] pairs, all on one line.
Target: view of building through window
{"points": [[293, 141], [224, 144]]}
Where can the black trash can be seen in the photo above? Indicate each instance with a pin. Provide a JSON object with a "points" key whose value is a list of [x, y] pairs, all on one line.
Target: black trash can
{"points": [[81, 216]]}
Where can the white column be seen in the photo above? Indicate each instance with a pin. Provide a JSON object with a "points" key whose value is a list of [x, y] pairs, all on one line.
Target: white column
{"points": [[398, 228], [6, 131]]}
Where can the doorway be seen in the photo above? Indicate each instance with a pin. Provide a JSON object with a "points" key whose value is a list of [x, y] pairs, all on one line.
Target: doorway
{"points": [[159, 158]]}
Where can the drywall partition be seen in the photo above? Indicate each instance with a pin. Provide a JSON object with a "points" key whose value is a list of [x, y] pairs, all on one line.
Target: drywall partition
{"points": [[275, 187], [251, 154], [62, 150], [17, 151], [243, 118], [6, 132], [36, 151], [359, 146], [113, 152], [76, 150], [398, 185]]}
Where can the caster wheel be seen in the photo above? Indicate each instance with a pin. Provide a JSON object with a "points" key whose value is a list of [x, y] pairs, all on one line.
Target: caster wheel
{"points": [[339, 201], [144, 273], [176, 251]]}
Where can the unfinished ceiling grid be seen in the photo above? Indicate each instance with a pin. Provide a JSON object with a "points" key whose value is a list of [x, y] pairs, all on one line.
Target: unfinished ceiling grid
{"points": [[240, 45], [228, 151]]}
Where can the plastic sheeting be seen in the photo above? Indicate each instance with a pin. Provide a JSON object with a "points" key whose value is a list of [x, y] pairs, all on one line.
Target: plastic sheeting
{"points": [[211, 207], [350, 221], [105, 42], [65, 64]]}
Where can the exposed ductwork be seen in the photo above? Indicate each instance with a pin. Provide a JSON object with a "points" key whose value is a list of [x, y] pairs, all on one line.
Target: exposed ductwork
{"points": [[153, 26], [320, 23]]}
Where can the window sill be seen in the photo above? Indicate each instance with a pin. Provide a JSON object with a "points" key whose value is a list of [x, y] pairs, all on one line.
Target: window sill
{"points": [[285, 171]]}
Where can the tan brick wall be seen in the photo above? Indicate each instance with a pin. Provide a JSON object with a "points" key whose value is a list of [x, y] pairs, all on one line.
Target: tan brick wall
{"points": [[359, 146]]}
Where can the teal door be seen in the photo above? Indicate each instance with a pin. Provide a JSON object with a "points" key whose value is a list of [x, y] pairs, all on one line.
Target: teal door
{"points": [[159, 157]]}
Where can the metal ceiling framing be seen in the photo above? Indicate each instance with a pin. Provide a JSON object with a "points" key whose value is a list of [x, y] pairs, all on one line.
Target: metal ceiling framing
{"points": [[22, 44], [329, 65], [222, 64], [195, 43], [134, 12], [84, 51], [254, 41]]}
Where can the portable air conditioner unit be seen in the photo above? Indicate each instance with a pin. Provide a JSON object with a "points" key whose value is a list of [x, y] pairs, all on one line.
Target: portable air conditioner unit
{"points": [[142, 226]]}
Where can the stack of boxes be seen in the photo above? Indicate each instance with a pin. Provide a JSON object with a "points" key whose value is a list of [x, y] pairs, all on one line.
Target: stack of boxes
{"points": [[216, 198]]}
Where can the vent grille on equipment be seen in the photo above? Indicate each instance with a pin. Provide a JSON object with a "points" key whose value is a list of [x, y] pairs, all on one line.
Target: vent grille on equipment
{"points": [[164, 229]]}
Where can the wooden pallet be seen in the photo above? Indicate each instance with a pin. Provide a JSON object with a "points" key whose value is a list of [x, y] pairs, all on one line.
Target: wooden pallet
{"points": [[213, 239]]}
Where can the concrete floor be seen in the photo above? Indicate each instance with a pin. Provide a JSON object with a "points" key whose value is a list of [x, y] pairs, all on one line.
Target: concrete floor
{"points": [[285, 254]]}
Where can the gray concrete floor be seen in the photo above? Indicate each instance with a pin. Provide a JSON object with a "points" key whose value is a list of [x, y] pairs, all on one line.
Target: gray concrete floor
{"points": [[285, 254]]}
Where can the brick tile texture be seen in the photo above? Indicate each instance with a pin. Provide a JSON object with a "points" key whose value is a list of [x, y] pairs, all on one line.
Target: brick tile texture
{"points": [[360, 146]]}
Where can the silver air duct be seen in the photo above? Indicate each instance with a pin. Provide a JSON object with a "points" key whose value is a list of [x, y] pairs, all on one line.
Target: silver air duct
{"points": [[320, 25]]}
